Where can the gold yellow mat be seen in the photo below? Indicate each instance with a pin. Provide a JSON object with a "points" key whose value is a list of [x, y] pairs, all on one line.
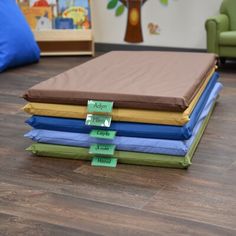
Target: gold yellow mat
{"points": [[119, 114]]}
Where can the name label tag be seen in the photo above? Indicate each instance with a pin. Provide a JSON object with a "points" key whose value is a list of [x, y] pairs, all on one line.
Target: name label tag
{"points": [[98, 120], [102, 149], [104, 134], [104, 161], [99, 106]]}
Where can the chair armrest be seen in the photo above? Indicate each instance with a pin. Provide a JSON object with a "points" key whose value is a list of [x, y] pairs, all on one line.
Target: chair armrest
{"points": [[214, 26], [221, 22]]}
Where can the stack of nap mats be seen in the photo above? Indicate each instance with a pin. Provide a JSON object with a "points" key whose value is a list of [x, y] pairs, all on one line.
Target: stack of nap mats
{"points": [[143, 108]]}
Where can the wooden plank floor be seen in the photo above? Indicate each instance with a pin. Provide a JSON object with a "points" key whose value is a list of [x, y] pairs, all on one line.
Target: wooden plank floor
{"points": [[43, 196]]}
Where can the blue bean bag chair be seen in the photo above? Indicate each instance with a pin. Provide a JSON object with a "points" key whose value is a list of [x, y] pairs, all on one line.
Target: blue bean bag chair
{"points": [[17, 44]]}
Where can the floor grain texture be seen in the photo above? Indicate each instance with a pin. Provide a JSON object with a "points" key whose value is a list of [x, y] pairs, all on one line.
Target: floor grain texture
{"points": [[45, 196]]}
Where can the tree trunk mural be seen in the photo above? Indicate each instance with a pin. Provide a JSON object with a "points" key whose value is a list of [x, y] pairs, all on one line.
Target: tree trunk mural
{"points": [[134, 32], [134, 21]]}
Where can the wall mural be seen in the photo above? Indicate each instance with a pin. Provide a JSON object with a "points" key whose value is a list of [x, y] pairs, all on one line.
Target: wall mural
{"points": [[134, 21], [153, 28]]}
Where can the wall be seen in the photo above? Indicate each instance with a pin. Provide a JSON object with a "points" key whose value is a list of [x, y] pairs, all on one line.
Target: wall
{"points": [[181, 23]]}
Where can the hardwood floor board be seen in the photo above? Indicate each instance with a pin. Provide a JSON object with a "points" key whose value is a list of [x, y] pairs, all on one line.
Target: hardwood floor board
{"points": [[199, 203], [48, 66], [12, 225], [228, 79], [13, 133], [51, 175], [100, 218], [13, 85], [143, 176], [9, 108], [15, 121], [118, 194], [210, 162], [11, 99], [223, 111]]}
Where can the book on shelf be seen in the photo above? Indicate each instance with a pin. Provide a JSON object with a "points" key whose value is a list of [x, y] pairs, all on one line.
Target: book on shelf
{"points": [[77, 10], [42, 3], [39, 18]]}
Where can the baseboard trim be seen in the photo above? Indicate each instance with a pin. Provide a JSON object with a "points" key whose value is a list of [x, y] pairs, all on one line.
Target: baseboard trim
{"points": [[107, 47]]}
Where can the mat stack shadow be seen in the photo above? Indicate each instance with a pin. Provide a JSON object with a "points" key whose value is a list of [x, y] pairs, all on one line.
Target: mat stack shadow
{"points": [[162, 102]]}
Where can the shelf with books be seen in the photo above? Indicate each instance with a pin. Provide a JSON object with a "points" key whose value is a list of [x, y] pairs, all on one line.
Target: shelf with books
{"points": [[61, 27]]}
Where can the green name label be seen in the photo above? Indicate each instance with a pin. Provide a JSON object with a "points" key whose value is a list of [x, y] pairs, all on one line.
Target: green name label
{"points": [[98, 120], [102, 149], [99, 106], [104, 161], [105, 134]]}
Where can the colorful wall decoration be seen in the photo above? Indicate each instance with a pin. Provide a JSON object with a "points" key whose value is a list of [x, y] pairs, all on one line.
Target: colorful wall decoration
{"points": [[134, 20], [56, 14], [180, 23]]}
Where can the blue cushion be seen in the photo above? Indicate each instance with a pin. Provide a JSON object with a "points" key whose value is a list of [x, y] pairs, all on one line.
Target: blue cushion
{"points": [[17, 44], [131, 129]]}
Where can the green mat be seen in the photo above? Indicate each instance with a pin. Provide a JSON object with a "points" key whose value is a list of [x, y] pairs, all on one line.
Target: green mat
{"points": [[134, 158]]}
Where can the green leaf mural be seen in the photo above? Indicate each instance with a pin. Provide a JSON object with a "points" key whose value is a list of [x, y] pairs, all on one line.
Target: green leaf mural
{"points": [[120, 10], [165, 2], [112, 4], [134, 29]]}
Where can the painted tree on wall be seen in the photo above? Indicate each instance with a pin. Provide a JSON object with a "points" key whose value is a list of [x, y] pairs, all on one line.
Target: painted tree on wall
{"points": [[134, 25]]}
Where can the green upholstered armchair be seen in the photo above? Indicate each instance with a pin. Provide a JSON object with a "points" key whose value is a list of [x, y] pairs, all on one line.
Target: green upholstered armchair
{"points": [[221, 31]]}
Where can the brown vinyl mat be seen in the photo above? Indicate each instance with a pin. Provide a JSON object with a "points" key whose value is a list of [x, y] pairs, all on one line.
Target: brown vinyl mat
{"points": [[138, 79]]}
